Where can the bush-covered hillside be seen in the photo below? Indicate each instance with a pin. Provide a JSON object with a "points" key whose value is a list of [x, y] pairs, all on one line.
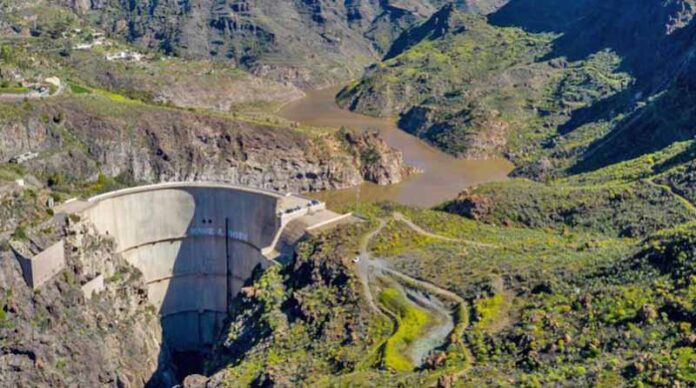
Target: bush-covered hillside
{"points": [[632, 198], [530, 307], [552, 86]]}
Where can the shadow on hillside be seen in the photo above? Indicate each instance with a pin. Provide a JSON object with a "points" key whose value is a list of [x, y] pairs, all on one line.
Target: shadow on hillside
{"points": [[648, 129], [634, 29], [660, 63], [683, 157]]}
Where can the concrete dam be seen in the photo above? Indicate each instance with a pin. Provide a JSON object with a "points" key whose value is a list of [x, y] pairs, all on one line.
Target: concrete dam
{"points": [[197, 243]]}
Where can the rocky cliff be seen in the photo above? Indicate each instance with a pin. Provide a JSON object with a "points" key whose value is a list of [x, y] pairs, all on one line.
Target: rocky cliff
{"points": [[78, 139], [55, 336]]}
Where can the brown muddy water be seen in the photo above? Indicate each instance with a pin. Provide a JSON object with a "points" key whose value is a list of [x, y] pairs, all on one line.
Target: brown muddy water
{"points": [[443, 176]]}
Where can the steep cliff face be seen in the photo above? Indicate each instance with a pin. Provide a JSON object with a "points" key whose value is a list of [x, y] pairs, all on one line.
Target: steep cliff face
{"points": [[56, 337], [78, 139], [378, 163]]}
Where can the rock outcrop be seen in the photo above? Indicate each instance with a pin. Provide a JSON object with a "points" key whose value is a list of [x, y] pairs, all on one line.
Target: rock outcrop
{"points": [[378, 162], [471, 205], [149, 144], [56, 337]]}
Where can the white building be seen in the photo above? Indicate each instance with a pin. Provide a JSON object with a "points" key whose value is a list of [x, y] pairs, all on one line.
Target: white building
{"points": [[125, 56]]}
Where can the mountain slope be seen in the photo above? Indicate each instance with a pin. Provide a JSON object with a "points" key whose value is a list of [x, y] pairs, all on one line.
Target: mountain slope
{"points": [[581, 276], [579, 85], [540, 308], [309, 43], [151, 118]]}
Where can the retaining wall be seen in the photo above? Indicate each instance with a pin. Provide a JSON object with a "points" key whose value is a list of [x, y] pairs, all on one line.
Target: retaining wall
{"points": [[42, 267]]}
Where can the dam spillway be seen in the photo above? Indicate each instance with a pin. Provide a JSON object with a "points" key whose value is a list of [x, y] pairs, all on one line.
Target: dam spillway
{"points": [[196, 244]]}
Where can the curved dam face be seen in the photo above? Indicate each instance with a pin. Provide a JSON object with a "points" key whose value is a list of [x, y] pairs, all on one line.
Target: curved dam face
{"points": [[196, 246]]}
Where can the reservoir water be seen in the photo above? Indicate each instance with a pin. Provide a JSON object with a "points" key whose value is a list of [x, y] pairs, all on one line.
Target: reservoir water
{"points": [[443, 176]]}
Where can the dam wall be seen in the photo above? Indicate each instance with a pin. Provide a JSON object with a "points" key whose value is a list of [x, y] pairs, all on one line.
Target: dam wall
{"points": [[196, 245], [135, 217]]}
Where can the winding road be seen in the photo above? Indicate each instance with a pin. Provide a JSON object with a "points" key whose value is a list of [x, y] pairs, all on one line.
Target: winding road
{"points": [[421, 293], [366, 262], [363, 266], [400, 217]]}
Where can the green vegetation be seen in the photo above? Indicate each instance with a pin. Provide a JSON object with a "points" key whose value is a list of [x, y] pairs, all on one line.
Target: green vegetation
{"points": [[585, 275], [465, 266], [487, 311], [411, 323], [20, 234], [575, 306], [553, 104], [5, 321], [13, 89], [622, 199], [484, 90], [11, 171], [77, 89], [305, 321], [547, 306], [615, 319]]}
